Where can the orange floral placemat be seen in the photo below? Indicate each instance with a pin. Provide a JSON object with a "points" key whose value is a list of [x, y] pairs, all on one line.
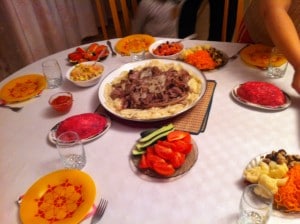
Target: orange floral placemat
{"points": [[193, 120]]}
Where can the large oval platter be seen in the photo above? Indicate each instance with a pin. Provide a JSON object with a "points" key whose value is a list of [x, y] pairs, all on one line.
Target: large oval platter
{"points": [[258, 106], [65, 196], [158, 116]]}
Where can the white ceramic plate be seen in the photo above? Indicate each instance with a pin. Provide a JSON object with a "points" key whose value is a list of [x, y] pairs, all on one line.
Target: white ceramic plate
{"points": [[116, 73], [52, 133], [254, 105]]}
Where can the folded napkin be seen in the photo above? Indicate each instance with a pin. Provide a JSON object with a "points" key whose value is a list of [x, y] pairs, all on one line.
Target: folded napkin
{"points": [[193, 120]]}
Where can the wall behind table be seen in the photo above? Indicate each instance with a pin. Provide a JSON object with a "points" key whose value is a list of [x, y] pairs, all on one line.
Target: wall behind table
{"points": [[30, 30]]}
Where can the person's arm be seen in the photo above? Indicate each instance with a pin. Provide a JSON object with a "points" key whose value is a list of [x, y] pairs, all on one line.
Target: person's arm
{"points": [[283, 33]]}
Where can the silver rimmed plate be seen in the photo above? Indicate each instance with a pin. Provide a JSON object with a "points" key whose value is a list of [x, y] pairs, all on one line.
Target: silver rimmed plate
{"points": [[154, 116], [258, 106], [52, 133]]}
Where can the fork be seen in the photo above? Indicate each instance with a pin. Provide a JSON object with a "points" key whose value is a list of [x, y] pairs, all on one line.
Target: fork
{"points": [[99, 211], [233, 57], [15, 109], [111, 49]]}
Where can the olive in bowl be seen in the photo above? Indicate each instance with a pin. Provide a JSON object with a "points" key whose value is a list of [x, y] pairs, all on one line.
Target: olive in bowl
{"points": [[61, 101], [166, 49], [85, 74]]}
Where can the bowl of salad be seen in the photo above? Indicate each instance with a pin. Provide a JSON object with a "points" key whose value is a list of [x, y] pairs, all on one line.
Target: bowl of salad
{"points": [[166, 49], [85, 74]]}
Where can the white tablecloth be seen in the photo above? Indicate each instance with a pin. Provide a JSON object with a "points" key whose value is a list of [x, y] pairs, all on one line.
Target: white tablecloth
{"points": [[208, 193]]}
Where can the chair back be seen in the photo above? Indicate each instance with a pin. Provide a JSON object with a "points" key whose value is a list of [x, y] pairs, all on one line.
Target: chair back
{"points": [[128, 9], [241, 8]]}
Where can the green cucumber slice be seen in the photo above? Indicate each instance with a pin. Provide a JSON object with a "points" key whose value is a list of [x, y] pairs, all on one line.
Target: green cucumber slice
{"points": [[142, 145], [157, 132], [138, 152], [147, 132]]}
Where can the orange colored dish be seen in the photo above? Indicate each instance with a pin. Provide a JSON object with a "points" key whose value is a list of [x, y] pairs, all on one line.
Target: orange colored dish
{"points": [[23, 88], [134, 43], [259, 55], [64, 196]]}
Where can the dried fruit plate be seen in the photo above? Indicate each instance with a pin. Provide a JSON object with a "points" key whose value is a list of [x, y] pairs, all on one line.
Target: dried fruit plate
{"points": [[279, 212]]}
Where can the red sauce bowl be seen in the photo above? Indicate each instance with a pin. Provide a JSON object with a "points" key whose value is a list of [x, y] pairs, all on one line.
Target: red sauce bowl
{"points": [[61, 102]]}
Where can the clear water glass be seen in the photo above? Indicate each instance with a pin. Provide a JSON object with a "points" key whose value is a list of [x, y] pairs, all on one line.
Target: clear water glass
{"points": [[71, 150], [138, 56], [52, 73], [255, 205], [276, 69]]}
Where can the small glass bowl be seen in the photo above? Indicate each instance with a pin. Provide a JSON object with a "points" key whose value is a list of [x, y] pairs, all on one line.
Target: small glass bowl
{"points": [[61, 102]]}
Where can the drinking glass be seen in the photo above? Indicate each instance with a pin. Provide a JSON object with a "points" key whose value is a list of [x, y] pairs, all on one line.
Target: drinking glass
{"points": [[255, 205], [137, 56], [275, 68], [52, 73], [71, 150]]}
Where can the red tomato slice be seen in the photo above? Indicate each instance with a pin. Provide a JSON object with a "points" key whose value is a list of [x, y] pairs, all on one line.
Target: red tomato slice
{"points": [[93, 47], [143, 162], [152, 158], [188, 139], [163, 151], [75, 56], [163, 168], [80, 50], [183, 147], [166, 144], [82, 60], [150, 150], [88, 55], [176, 135], [178, 159]]}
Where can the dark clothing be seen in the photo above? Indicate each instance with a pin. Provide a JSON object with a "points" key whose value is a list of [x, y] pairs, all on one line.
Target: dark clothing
{"points": [[188, 18]]}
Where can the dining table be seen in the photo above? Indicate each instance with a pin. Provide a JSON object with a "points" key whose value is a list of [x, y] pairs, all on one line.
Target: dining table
{"points": [[209, 192]]}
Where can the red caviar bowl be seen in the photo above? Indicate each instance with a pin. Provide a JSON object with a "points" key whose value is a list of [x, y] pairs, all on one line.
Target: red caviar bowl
{"points": [[61, 102]]}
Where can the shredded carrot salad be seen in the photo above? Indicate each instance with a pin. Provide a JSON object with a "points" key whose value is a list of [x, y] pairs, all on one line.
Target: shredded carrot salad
{"points": [[288, 196], [201, 59]]}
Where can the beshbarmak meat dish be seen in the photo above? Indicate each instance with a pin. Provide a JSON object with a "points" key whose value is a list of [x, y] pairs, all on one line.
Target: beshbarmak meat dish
{"points": [[155, 90]]}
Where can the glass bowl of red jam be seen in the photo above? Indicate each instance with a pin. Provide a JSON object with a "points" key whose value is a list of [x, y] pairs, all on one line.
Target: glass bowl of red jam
{"points": [[61, 102]]}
